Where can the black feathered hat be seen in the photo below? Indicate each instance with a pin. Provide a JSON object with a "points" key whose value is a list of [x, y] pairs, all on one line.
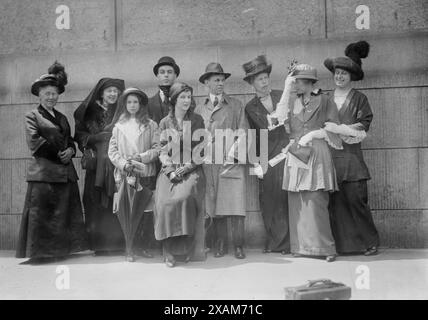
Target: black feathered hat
{"points": [[56, 77], [354, 52], [255, 67]]}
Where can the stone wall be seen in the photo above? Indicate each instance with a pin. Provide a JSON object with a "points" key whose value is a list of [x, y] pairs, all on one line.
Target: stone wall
{"points": [[125, 38]]}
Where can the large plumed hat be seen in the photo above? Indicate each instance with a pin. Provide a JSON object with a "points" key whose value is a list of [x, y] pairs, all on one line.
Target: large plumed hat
{"points": [[211, 69], [56, 77], [354, 52], [256, 66], [166, 61]]}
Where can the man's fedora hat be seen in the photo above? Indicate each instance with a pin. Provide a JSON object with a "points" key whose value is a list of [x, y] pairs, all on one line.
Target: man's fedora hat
{"points": [[213, 68]]}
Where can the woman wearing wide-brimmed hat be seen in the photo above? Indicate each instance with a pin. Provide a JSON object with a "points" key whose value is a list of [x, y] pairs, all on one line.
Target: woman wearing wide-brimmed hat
{"points": [[52, 221], [309, 173], [180, 189], [133, 150], [92, 133], [273, 199], [352, 223]]}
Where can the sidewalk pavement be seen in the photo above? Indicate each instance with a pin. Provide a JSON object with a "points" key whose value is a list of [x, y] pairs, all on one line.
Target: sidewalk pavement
{"points": [[393, 274]]}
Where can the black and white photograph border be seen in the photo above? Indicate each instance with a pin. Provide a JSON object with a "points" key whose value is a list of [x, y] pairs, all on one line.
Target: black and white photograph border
{"points": [[331, 201]]}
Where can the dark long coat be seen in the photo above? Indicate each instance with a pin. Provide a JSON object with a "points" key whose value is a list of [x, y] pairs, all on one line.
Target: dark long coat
{"points": [[104, 229], [52, 221], [273, 199], [351, 219]]}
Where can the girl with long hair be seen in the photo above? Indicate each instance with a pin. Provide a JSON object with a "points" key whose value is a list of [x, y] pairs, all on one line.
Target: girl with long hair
{"points": [[133, 150]]}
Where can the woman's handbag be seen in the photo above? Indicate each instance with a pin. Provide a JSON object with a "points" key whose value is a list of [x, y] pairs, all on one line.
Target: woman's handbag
{"points": [[300, 152], [89, 159]]}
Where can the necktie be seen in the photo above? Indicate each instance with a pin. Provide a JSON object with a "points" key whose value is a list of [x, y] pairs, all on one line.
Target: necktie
{"points": [[215, 102], [165, 90]]}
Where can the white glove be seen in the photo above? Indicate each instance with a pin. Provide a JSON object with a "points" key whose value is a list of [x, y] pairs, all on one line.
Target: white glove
{"points": [[258, 170], [289, 81], [306, 139], [342, 129]]}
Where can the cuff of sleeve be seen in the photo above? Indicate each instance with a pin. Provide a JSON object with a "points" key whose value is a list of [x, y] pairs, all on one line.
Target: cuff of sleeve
{"points": [[168, 170], [122, 164], [333, 140]]}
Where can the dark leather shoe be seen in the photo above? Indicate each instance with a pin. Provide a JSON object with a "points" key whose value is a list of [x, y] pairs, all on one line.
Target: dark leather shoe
{"points": [[331, 258], [219, 249], [371, 251], [145, 254], [219, 254], [170, 263], [239, 253]]}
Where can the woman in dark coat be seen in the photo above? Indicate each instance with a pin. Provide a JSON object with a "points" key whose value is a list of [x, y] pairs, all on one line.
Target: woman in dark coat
{"points": [[273, 199], [52, 222], [180, 189], [92, 133], [352, 223]]}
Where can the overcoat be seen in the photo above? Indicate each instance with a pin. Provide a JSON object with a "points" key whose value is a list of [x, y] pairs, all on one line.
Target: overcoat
{"points": [[45, 136], [226, 183], [273, 199], [52, 220]]}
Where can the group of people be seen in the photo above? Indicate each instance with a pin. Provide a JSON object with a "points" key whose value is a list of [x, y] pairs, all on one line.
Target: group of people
{"points": [[313, 192]]}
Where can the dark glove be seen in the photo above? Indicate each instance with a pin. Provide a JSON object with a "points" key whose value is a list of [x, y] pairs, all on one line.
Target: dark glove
{"points": [[47, 151], [53, 137]]}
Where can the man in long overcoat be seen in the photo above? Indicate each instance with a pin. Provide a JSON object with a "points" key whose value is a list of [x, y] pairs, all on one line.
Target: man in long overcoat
{"points": [[225, 192]]}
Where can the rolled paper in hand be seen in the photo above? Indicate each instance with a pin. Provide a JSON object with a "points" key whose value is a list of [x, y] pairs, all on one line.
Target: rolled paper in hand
{"points": [[277, 159]]}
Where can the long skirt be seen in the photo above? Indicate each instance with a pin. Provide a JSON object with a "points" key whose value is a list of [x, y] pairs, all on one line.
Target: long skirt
{"points": [[105, 233], [351, 220], [274, 205], [177, 207], [310, 231], [52, 221]]}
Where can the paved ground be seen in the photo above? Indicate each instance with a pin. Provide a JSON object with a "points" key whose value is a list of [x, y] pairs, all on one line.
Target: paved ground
{"points": [[394, 274]]}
